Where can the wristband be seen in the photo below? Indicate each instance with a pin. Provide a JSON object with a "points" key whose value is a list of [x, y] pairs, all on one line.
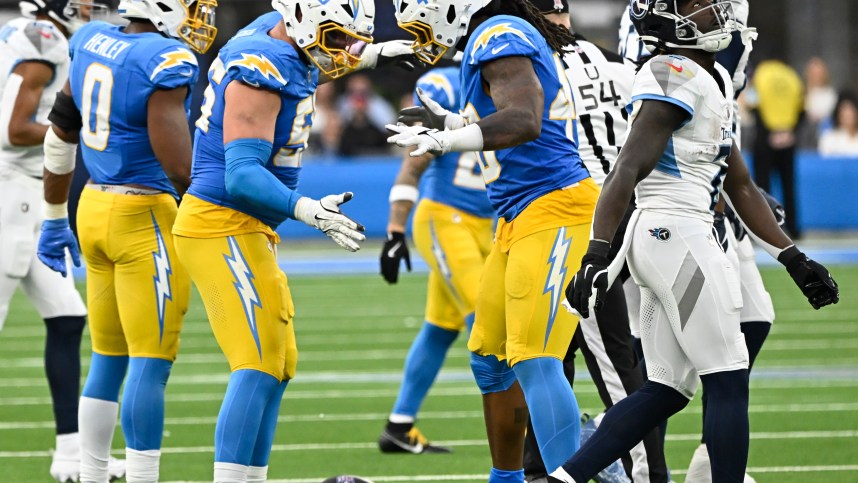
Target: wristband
{"points": [[469, 138], [55, 211], [404, 192]]}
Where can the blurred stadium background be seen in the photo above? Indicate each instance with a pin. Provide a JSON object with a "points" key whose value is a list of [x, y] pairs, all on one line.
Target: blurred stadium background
{"points": [[354, 330]]}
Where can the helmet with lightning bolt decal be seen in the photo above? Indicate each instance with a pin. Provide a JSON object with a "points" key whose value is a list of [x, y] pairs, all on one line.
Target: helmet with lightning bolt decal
{"points": [[333, 33]]}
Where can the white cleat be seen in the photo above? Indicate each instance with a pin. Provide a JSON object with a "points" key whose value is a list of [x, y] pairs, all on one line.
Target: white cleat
{"points": [[65, 463], [116, 469], [65, 470]]}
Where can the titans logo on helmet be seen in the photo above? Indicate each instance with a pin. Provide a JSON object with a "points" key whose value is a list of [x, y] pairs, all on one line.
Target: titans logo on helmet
{"points": [[639, 8], [660, 234]]}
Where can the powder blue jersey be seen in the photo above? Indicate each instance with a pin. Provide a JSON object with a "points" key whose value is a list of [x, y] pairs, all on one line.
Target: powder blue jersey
{"points": [[454, 178], [256, 59], [112, 76], [517, 176]]}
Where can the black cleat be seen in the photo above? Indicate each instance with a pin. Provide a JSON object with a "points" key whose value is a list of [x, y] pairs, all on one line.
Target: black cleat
{"points": [[411, 441]]}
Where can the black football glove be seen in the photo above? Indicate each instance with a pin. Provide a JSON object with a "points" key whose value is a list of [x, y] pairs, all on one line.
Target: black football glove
{"points": [[813, 279], [593, 274], [395, 249], [719, 230]]}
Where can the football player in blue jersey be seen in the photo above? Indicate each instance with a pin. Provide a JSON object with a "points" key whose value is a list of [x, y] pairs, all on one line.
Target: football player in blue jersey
{"points": [[453, 232], [518, 109], [255, 122], [127, 99]]}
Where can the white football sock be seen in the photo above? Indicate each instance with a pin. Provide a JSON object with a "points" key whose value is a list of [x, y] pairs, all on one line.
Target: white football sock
{"points": [[257, 474], [699, 470], [142, 466], [400, 419], [96, 420], [230, 473]]}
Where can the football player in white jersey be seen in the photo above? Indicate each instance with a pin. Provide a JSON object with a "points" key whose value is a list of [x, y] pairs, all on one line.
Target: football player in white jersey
{"points": [[34, 63], [678, 155], [757, 311], [601, 85]]}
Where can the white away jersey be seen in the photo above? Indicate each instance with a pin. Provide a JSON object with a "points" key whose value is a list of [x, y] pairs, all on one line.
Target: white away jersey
{"points": [[23, 40], [602, 86], [687, 179]]}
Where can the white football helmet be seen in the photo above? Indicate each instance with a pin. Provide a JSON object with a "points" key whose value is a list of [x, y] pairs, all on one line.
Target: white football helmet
{"points": [[332, 33], [437, 25], [191, 21], [70, 14]]}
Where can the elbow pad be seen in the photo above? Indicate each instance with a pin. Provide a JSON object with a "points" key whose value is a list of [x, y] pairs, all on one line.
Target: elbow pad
{"points": [[59, 155], [65, 113]]}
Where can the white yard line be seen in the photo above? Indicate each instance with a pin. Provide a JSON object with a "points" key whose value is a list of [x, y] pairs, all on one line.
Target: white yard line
{"points": [[447, 415], [483, 477], [279, 448]]}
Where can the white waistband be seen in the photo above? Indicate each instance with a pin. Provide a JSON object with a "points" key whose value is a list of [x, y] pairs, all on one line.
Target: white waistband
{"points": [[123, 189]]}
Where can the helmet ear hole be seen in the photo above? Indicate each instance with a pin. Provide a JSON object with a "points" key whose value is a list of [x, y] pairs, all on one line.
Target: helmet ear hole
{"points": [[164, 7], [451, 15], [298, 13]]}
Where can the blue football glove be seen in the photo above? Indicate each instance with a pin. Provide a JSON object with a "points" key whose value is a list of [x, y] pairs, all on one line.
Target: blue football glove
{"points": [[56, 237]]}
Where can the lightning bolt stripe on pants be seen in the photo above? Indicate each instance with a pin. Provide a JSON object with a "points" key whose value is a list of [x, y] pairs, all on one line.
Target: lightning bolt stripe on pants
{"points": [[163, 270], [243, 283], [554, 283]]}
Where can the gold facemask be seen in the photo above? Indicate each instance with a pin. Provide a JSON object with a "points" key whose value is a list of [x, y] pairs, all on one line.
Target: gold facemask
{"points": [[337, 51], [198, 31], [425, 47]]}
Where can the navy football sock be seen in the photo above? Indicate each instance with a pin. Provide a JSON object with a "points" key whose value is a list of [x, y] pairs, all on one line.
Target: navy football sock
{"points": [[624, 426], [638, 345], [62, 367], [142, 411], [755, 334], [726, 424], [422, 365], [553, 409]]}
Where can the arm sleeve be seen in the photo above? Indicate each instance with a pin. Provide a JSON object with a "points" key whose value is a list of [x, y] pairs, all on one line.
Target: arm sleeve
{"points": [[670, 79], [249, 182]]}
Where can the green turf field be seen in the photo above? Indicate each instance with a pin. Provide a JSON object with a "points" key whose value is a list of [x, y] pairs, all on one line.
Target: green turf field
{"points": [[353, 334]]}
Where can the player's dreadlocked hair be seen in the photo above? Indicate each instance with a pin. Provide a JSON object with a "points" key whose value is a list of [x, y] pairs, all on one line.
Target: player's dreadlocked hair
{"points": [[557, 36]]}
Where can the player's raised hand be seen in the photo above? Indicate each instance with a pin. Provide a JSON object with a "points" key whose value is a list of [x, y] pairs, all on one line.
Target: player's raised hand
{"points": [[813, 279], [430, 114], [592, 276], [325, 215], [385, 53], [56, 237], [395, 250], [424, 139]]}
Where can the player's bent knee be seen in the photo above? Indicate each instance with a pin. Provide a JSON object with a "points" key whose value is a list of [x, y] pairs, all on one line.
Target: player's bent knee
{"points": [[65, 326], [491, 374]]}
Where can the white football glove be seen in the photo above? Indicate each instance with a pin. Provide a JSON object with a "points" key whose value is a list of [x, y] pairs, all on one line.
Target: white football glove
{"points": [[468, 138], [431, 114], [325, 215], [385, 53], [426, 140]]}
